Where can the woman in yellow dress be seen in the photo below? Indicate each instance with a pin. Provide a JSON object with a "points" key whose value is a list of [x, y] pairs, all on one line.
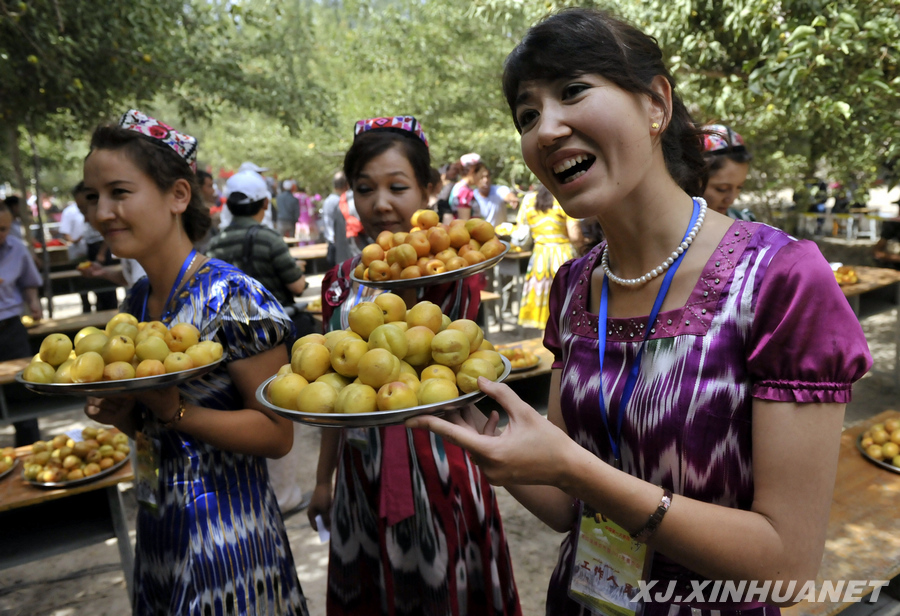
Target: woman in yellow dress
{"points": [[555, 236]]}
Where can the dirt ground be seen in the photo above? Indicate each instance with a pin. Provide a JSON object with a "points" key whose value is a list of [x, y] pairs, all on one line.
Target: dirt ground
{"points": [[90, 581]]}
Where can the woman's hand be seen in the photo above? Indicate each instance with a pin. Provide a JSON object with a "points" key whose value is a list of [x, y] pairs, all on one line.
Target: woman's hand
{"points": [[94, 270], [530, 450], [117, 411], [162, 402], [320, 505]]}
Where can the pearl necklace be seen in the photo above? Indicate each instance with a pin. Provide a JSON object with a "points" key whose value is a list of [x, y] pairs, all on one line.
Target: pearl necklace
{"points": [[634, 282]]}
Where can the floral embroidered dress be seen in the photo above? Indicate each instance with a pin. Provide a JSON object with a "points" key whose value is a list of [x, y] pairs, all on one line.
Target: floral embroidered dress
{"points": [[217, 544], [766, 320], [551, 249], [450, 557]]}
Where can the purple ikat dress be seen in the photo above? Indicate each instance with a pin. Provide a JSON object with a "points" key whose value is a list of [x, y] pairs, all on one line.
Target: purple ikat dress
{"points": [[766, 320]]}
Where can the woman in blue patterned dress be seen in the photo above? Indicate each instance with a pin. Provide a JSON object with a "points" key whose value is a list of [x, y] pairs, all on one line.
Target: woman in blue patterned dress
{"points": [[702, 364], [210, 538]]}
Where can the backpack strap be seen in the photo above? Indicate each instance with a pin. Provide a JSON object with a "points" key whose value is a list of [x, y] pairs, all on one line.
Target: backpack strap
{"points": [[247, 255]]}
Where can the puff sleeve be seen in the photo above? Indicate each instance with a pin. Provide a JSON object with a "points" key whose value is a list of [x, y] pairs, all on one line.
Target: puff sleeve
{"points": [[805, 344]]}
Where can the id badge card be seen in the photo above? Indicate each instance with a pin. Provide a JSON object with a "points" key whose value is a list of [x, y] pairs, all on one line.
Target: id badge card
{"points": [[608, 567], [147, 453]]}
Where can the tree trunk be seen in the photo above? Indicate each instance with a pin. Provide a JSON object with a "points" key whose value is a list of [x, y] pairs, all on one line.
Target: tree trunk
{"points": [[12, 134], [45, 260]]}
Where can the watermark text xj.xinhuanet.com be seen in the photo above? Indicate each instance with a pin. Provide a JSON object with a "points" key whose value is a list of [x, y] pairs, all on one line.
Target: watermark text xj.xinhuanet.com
{"points": [[708, 591]]}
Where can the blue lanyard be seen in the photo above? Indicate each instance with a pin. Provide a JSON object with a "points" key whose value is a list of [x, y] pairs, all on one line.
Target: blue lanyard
{"points": [[615, 442], [175, 287]]}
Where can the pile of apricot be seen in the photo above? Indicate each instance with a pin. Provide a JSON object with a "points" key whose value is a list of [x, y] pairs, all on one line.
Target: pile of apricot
{"points": [[389, 359], [126, 349], [430, 248], [882, 442]]}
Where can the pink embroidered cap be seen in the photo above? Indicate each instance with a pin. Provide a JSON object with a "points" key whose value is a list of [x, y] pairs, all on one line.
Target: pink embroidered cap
{"points": [[184, 145], [406, 124], [721, 139]]}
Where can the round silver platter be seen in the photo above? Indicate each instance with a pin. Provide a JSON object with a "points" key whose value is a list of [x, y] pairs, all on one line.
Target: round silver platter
{"points": [[373, 420], [77, 482], [881, 463], [427, 281], [126, 386]]}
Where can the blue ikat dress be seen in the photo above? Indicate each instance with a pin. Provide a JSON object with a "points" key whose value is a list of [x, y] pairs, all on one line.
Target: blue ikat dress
{"points": [[216, 545]]}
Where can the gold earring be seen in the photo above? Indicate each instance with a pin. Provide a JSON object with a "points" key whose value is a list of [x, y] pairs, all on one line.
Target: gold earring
{"points": [[654, 125]]}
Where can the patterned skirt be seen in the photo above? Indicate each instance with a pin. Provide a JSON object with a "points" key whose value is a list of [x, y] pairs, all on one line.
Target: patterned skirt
{"points": [[545, 261], [217, 545], [450, 558]]}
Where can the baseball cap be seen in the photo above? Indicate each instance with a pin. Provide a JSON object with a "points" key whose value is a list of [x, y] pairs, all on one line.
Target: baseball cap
{"points": [[287, 184], [248, 166], [250, 184]]}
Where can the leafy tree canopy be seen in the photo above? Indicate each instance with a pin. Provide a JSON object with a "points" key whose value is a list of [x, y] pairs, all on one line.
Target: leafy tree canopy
{"points": [[813, 85]]}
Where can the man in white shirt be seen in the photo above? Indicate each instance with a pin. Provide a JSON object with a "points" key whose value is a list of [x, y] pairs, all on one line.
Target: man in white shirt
{"points": [[225, 216], [71, 227], [493, 199]]}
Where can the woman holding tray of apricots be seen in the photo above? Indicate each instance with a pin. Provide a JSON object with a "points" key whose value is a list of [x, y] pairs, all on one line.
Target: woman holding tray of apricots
{"points": [[210, 537], [415, 527], [702, 364]]}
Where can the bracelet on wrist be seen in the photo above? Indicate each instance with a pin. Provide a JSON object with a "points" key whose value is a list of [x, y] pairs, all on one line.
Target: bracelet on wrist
{"points": [[655, 519], [176, 418]]}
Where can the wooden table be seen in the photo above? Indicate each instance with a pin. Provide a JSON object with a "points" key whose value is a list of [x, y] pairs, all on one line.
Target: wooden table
{"points": [[863, 527], [313, 254], [59, 255], [72, 325], [71, 281], [18, 403], [870, 279], [873, 279], [40, 523]]}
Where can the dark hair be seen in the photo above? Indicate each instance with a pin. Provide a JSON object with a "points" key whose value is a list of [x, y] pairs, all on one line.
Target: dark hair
{"points": [[202, 177], [12, 202], [543, 201], [592, 233], [243, 209], [79, 189], [577, 41], [374, 143], [717, 161], [5, 208], [434, 178], [161, 164], [476, 169], [453, 171]]}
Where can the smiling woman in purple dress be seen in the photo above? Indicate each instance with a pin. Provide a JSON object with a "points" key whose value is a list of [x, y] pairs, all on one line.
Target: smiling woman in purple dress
{"points": [[702, 364]]}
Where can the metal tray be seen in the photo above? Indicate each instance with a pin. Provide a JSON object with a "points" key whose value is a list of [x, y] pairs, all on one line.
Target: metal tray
{"points": [[427, 281], [373, 420], [78, 482], [531, 366], [10, 469], [127, 386], [881, 463]]}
